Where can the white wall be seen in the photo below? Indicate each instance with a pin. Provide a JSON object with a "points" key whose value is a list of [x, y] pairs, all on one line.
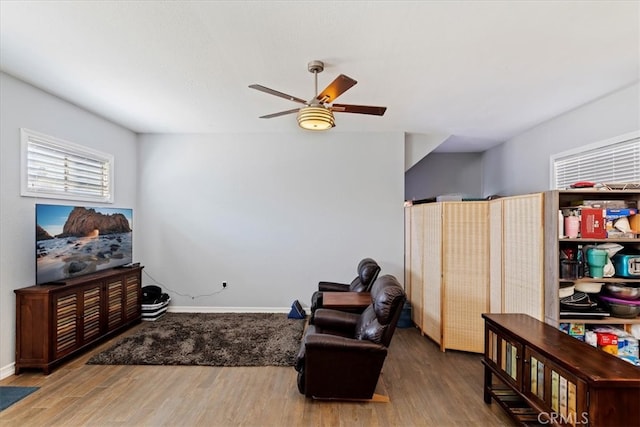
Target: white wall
{"points": [[271, 214], [444, 173], [418, 145], [521, 165], [22, 105]]}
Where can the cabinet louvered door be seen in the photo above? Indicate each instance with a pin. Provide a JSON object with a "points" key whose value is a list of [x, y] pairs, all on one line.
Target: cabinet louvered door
{"points": [[66, 321], [132, 297], [114, 303], [91, 312]]}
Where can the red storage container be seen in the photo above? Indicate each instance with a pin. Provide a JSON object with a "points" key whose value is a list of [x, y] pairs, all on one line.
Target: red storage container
{"points": [[593, 224]]}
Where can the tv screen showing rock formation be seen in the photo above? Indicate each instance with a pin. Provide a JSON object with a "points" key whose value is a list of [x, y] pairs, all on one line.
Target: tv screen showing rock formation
{"points": [[73, 240]]}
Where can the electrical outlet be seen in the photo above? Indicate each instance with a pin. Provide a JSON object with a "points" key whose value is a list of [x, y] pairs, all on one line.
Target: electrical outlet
{"points": [[224, 284]]}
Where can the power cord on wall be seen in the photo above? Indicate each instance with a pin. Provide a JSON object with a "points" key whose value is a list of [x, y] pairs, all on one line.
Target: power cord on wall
{"points": [[193, 297]]}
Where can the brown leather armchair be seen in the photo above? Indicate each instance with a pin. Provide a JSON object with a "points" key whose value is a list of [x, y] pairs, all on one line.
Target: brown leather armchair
{"points": [[368, 271], [342, 354]]}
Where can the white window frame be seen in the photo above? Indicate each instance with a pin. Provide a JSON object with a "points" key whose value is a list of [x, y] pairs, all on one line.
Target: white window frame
{"points": [[29, 184], [628, 137]]}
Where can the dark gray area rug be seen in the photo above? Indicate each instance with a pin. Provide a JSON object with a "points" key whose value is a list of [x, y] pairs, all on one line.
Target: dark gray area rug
{"points": [[209, 339]]}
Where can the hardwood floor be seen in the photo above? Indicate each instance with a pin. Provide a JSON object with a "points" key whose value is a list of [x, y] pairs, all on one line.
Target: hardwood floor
{"points": [[425, 388]]}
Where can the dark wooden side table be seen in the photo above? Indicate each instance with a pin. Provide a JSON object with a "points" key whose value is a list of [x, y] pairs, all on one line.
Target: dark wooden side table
{"points": [[345, 300]]}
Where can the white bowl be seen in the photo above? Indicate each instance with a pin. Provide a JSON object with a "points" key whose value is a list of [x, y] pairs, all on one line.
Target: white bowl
{"points": [[566, 291], [589, 287]]}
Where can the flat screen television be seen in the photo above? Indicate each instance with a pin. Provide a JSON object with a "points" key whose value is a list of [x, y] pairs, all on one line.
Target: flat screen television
{"points": [[73, 241]]}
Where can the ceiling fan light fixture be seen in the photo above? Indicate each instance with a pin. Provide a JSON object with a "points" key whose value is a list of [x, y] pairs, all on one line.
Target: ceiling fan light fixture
{"points": [[315, 118], [316, 115]]}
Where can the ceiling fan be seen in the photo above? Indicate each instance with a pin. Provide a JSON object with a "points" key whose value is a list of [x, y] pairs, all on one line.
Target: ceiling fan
{"points": [[317, 113]]}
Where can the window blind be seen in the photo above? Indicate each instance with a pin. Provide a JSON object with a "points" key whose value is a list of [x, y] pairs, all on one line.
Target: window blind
{"points": [[615, 163], [59, 169]]}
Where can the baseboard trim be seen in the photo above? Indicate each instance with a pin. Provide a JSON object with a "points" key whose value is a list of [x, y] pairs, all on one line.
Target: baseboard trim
{"points": [[192, 309], [8, 370]]}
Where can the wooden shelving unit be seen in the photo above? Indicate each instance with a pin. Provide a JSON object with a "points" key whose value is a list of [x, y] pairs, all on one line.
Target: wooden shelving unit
{"points": [[567, 199]]}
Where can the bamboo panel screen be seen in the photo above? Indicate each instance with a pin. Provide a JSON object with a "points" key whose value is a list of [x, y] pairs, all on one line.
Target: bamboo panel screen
{"points": [[432, 261], [523, 252], [465, 274], [407, 250], [416, 268], [495, 256]]}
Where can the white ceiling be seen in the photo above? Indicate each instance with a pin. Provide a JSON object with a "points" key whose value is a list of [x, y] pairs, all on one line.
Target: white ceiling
{"points": [[481, 71]]}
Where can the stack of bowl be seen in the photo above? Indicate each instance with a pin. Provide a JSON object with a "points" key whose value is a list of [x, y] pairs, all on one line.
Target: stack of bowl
{"points": [[623, 299]]}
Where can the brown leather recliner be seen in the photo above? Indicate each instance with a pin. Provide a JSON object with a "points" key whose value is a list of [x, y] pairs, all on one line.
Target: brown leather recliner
{"points": [[368, 271], [342, 354]]}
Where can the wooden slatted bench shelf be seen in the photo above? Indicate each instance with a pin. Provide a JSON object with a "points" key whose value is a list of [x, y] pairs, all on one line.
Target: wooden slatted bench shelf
{"points": [[541, 376]]}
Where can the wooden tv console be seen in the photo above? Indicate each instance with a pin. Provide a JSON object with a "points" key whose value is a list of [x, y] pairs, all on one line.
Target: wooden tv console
{"points": [[544, 376], [56, 321]]}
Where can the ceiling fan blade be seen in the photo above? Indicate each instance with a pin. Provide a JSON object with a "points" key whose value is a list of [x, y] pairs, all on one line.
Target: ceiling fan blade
{"points": [[276, 93], [337, 87], [360, 109], [281, 113]]}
